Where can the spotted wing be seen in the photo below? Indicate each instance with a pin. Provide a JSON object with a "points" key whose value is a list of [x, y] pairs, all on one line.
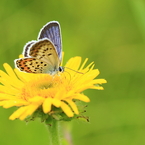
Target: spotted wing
{"points": [[33, 65], [52, 32], [45, 51]]}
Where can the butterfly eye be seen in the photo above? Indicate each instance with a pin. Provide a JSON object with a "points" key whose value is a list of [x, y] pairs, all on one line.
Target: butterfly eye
{"points": [[61, 69]]}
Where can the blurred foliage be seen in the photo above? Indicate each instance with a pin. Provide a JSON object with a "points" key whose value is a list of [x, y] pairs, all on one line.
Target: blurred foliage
{"points": [[109, 32]]}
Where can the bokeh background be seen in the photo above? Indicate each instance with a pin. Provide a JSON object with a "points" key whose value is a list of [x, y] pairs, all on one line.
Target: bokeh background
{"points": [[109, 32]]}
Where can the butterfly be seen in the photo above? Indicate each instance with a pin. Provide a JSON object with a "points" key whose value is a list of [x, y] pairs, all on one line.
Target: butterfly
{"points": [[45, 54]]}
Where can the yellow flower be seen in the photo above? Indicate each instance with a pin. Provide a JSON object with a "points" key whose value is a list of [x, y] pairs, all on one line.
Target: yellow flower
{"points": [[30, 92]]}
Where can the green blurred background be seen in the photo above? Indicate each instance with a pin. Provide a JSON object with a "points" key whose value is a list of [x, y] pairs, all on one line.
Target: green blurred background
{"points": [[109, 32]]}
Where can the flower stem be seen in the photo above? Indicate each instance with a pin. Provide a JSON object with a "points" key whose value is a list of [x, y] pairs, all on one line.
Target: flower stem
{"points": [[54, 134]]}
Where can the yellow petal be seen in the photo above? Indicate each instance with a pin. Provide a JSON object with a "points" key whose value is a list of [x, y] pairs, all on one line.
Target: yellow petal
{"points": [[24, 76], [9, 70], [12, 103], [37, 99], [17, 113], [21, 56], [81, 97], [4, 77], [82, 66], [29, 111], [8, 90], [56, 102], [6, 96], [73, 63], [66, 109], [73, 106], [99, 81], [97, 87], [12, 76], [2, 103], [47, 105]]}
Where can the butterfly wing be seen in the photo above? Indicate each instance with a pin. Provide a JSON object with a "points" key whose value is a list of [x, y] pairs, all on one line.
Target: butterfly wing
{"points": [[45, 51], [52, 32], [27, 47], [33, 65]]}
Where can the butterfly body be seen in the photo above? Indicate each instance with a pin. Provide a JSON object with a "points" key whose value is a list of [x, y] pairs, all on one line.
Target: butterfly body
{"points": [[44, 55]]}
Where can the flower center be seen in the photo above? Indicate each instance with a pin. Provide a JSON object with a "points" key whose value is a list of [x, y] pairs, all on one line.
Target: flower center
{"points": [[43, 85]]}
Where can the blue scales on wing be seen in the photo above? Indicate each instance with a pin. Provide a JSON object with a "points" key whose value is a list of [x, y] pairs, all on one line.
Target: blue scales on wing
{"points": [[52, 31]]}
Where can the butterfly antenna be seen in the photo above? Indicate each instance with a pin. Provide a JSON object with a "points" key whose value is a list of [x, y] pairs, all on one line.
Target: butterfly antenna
{"points": [[74, 70]]}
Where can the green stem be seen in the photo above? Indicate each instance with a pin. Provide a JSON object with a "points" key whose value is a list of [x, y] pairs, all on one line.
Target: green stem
{"points": [[54, 134]]}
